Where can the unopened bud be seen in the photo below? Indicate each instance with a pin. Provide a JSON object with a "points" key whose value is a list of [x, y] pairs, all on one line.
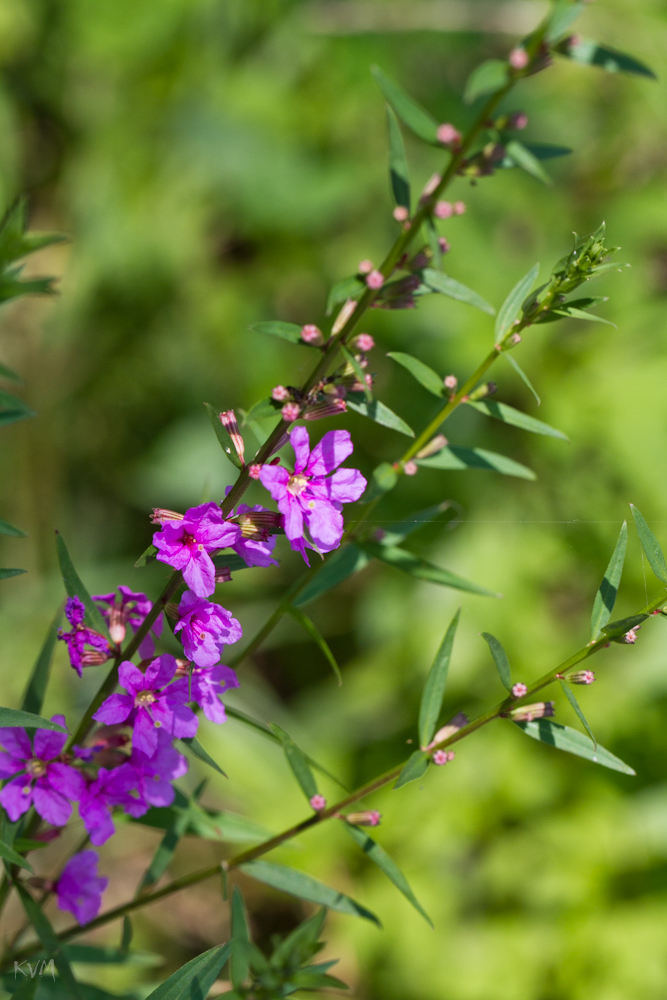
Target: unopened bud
{"points": [[581, 677], [311, 334], [447, 134], [117, 628], [223, 574], [450, 382], [344, 315], [431, 185], [435, 444], [182, 667], [171, 611], [518, 120], [254, 471], [444, 245], [400, 213], [459, 207], [443, 210], [458, 722], [43, 884], [482, 391], [375, 279], [410, 468], [280, 394], [364, 342], [630, 637], [515, 338], [229, 422], [519, 690], [332, 408], [256, 522], [160, 515], [318, 802], [290, 412], [93, 658], [441, 757], [370, 818], [518, 58], [527, 713], [365, 266]]}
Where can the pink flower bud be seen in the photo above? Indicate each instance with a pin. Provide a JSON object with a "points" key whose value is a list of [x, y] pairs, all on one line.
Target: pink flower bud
{"points": [[117, 628], [441, 757], [515, 338], [343, 316], [518, 58], [311, 334], [254, 471], [290, 412], [223, 575], [410, 468], [160, 515], [435, 444], [518, 120], [451, 382], [459, 207], [318, 802], [444, 245], [447, 134], [280, 394], [365, 266], [581, 677], [453, 726], [431, 185], [400, 213], [228, 421], [443, 210], [519, 689], [329, 408], [369, 818], [630, 637], [93, 658], [375, 279], [526, 713], [364, 342]]}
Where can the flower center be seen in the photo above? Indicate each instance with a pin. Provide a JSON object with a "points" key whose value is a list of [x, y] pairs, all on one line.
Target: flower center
{"points": [[144, 698], [189, 540], [36, 767], [297, 484]]}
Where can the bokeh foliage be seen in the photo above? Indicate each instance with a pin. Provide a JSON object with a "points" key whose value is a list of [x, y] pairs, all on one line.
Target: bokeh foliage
{"points": [[217, 164]]}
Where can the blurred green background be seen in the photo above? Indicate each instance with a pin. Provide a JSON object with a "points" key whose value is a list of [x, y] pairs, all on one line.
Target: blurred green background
{"points": [[218, 162]]}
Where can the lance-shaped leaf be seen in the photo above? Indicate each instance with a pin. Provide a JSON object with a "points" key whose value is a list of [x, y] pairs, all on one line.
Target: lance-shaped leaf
{"points": [[524, 159], [286, 331], [439, 282], [15, 717], [9, 529], [240, 938], [309, 626], [49, 939], [500, 659], [298, 762], [339, 566], [33, 699], [397, 531], [411, 114], [380, 857], [567, 311], [297, 883], [572, 741], [75, 587], [7, 574], [9, 855], [12, 408], [264, 410], [589, 53], [508, 415], [416, 567], [650, 545], [546, 150], [9, 373], [563, 16], [398, 164], [194, 979], [434, 689], [424, 375], [615, 630], [348, 288], [569, 694], [223, 437], [359, 372], [606, 595], [509, 310], [454, 458], [148, 555], [208, 824], [415, 767], [378, 412], [167, 847], [195, 748], [522, 375], [486, 78]]}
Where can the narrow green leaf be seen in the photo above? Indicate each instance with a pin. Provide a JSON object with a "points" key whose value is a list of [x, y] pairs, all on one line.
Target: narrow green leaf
{"points": [[522, 375], [563, 16], [12, 416], [185, 983], [650, 545], [27, 989], [415, 767], [454, 458], [223, 437], [297, 883], [226, 827], [424, 375], [589, 53], [299, 945], [195, 748], [378, 412], [33, 699], [572, 741], [230, 561], [7, 574], [166, 849], [439, 282], [308, 626], [286, 331], [10, 374], [126, 935], [16, 717], [420, 569], [547, 151], [297, 761], [568, 312], [148, 555], [617, 629], [240, 938], [398, 164], [511, 306], [339, 566], [359, 372], [397, 531], [434, 689], [75, 587], [569, 694], [8, 529], [8, 401], [9, 855], [348, 288], [263, 410], [411, 114], [500, 659], [380, 857], [486, 78], [524, 159], [508, 415], [49, 939], [606, 595]]}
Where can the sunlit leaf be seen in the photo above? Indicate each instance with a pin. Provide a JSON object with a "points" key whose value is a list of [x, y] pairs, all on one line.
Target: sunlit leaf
{"points": [[650, 545], [424, 375], [378, 412], [606, 595], [500, 659], [398, 164], [454, 458], [276, 328], [420, 569], [510, 308], [148, 555], [16, 717], [508, 415], [298, 883], [439, 282], [411, 114], [572, 741], [563, 16], [486, 78], [297, 761], [589, 53], [617, 629], [308, 626], [380, 857], [434, 689]]}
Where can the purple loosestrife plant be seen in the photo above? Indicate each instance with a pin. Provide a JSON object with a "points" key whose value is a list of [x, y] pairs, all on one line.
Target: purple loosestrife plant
{"points": [[79, 888], [205, 629], [186, 545], [80, 636], [129, 608]]}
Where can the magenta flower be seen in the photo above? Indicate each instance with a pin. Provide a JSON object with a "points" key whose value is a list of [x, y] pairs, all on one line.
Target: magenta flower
{"points": [[205, 629], [255, 551], [186, 545], [310, 498], [206, 686], [80, 637], [79, 888], [110, 788], [132, 608], [43, 780], [152, 703], [154, 776]]}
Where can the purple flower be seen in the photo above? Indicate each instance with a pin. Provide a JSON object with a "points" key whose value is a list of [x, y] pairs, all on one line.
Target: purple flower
{"points": [[205, 629], [311, 499], [152, 703], [154, 776], [80, 888], [81, 636], [207, 684], [43, 780], [255, 551], [186, 544], [133, 608], [109, 788]]}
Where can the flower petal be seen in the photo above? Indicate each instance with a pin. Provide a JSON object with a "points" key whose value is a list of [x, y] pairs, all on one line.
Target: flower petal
{"points": [[131, 678], [325, 525], [199, 574], [16, 742], [345, 486], [275, 479], [66, 780], [115, 709], [15, 799], [301, 444], [160, 671], [326, 456], [50, 804], [144, 734], [49, 744]]}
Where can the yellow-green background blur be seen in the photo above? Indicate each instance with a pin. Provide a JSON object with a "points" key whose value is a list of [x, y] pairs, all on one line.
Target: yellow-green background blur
{"points": [[218, 162]]}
